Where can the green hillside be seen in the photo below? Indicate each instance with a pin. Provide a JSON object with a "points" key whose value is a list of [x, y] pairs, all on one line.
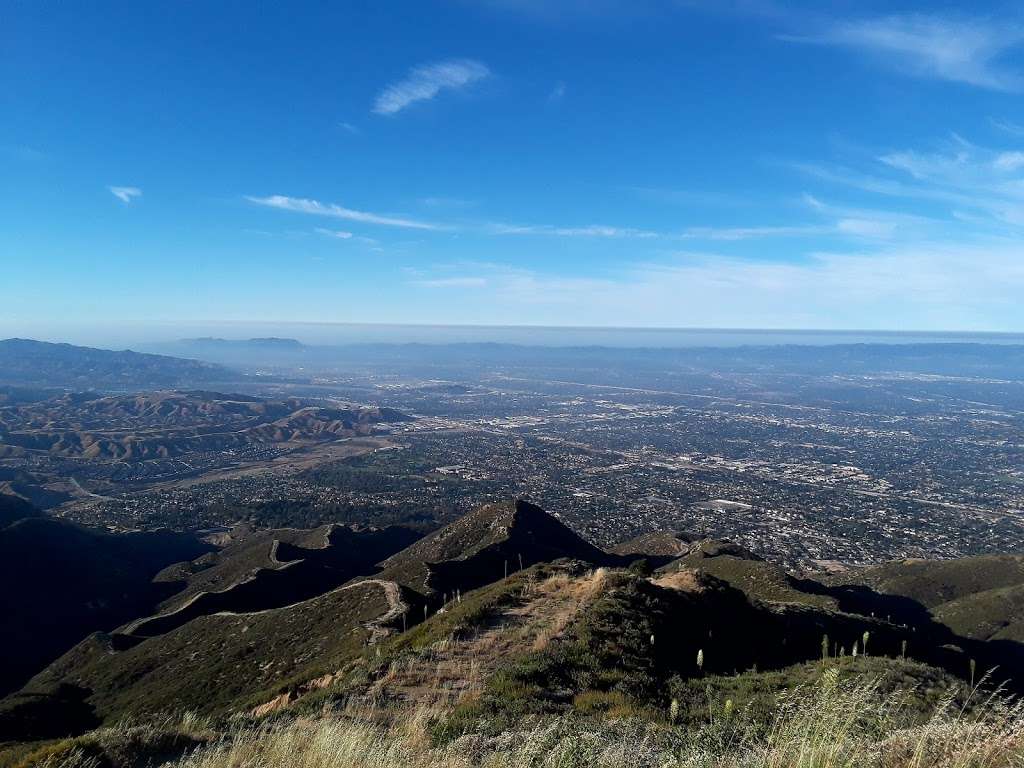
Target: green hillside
{"points": [[439, 633]]}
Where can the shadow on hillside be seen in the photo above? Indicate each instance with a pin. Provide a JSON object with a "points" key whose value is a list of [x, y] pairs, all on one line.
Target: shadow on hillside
{"points": [[54, 714], [306, 573], [929, 640]]}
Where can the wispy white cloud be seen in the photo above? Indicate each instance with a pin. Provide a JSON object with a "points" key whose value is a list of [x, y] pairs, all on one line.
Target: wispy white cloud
{"points": [[125, 194], [975, 178], [451, 282], [558, 92], [332, 210], [1009, 127], [749, 233], [428, 80], [842, 223], [349, 128], [879, 185], [873, 223], [958, 49], [1009, 161], [338, 234], [868, 228], [927, 285], [446, 202], [591, 230], [969, 191]]}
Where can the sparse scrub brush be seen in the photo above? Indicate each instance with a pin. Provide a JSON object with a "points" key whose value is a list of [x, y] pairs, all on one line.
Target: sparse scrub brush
{"points": [[832, 723]]}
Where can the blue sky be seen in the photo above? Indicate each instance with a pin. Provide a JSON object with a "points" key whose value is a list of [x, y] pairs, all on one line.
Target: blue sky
{"points": [[606, 163]]}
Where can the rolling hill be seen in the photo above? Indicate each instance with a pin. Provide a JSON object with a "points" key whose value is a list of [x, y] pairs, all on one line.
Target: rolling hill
{"points": [[153, 425], [571, 630]]}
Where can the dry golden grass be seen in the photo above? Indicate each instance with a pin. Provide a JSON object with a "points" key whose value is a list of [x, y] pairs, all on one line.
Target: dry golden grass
{"points": [[684, 580], [831, 725], [577, 593]]}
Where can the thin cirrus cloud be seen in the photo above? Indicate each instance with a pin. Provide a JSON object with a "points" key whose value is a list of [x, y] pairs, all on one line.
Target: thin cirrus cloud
{"points": [[1008, 126], [962, 50], [125, 194], [338, 234], [591, 230], [451, 282], [962, 182], [427, 81], [332, 210], [924, 285], [844, 224], [750, 233]]}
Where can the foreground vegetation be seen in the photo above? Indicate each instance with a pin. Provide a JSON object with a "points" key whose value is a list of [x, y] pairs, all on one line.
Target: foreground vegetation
{"points": [[715, 659], [829, 723]]}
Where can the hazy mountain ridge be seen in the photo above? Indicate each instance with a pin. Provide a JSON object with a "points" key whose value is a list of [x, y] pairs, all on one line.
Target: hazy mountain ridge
{"points": [[933, 358], [29, 363]]}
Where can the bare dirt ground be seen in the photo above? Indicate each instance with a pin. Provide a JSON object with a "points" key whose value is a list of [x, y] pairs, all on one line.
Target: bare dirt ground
{"points": [[455, 669]]}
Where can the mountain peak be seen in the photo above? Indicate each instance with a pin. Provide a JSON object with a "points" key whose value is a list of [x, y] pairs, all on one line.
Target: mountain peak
{"points": [[485, 544]]}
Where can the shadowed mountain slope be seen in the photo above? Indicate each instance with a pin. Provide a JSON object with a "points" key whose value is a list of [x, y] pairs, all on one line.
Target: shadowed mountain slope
{"points": [[14, 508], [934, 582], [292, 572], [275, 589], [65, 581], [440, 623], [657, 548], [212, 664]]}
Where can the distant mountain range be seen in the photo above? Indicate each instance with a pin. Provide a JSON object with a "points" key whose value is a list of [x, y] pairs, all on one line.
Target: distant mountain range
{"points": [[251, 354], [269, 342], [200, 362], [28, 363], [938, 358]]}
